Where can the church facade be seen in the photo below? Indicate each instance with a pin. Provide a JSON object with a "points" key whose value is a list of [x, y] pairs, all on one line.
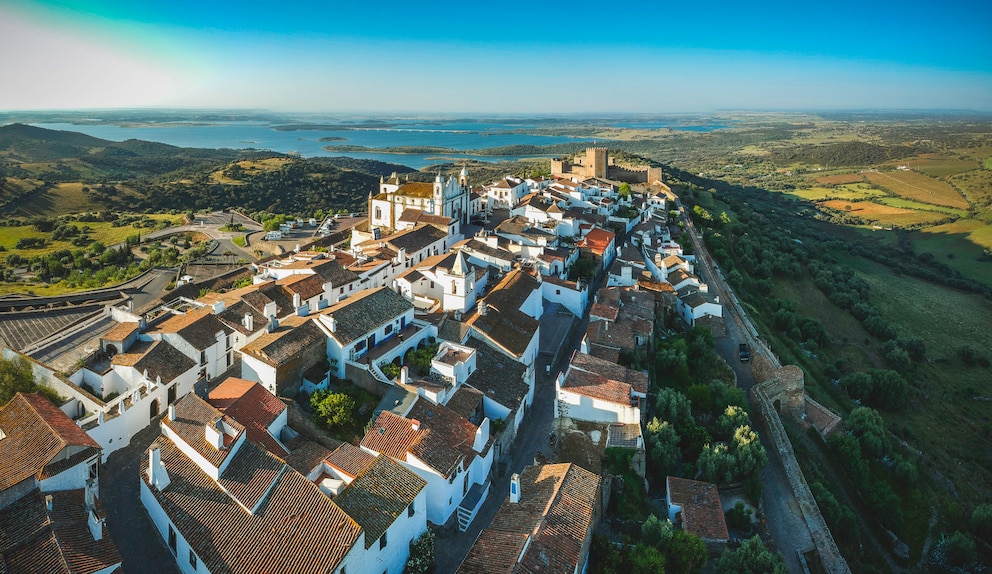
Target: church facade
{"points": [[444, 197]]}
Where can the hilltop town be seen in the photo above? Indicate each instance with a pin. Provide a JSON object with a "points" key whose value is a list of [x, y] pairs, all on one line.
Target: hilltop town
{"points": [[464, 363]]}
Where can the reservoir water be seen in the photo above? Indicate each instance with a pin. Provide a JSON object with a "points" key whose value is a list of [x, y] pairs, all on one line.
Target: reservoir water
{"points": [[263, 136]]}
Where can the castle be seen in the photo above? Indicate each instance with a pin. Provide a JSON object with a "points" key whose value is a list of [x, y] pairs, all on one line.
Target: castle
{"points": [[598, 164]]}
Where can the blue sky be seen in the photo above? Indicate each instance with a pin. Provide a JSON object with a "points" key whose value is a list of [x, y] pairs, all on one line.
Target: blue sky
{"points": [[507, 57]]}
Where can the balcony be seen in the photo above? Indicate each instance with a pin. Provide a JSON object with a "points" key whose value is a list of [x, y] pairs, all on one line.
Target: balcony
{"points": [[398, 344]]}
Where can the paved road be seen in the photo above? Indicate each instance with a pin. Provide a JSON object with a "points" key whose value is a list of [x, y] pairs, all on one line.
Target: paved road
{"points": [[142, 549], [785, 524]]}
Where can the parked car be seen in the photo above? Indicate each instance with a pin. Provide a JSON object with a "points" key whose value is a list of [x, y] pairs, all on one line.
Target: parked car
{"points": [[745, 353]]}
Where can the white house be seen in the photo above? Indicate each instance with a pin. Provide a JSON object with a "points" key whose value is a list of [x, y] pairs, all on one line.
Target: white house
{"points": [[505, 193], [200, 336], [450, 453], [508, 318], [573, 295], [445, 282], [487, 250], [596, 390], [364, 330], [694, 305]]}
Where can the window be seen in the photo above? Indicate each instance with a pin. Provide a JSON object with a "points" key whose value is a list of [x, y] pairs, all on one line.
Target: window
{"points": [[192, 559], [378, 213], [382, 541], [172, 539], [203, 358], [410, 511]]}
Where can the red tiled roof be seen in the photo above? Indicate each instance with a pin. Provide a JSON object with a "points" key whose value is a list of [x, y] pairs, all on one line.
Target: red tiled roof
{"points": [[598, 240], [295, 530], [251, 405], [199, 328], [120, 332], [37, 431], [307, 286], [596, 386], [702, 513], [557, 511], [192, 416], [638, 380], [350, 459], [379, 495]]}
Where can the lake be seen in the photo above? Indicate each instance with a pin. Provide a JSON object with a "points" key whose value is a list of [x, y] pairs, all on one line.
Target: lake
{"points": [[457, 135]]}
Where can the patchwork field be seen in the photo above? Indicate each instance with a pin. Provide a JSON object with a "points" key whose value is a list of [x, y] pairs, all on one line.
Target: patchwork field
{"points": [[919, 187], [885, 214]]}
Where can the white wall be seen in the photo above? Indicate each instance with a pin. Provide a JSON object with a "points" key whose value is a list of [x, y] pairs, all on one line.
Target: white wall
{"points": [[583, 408], [69, 479], [253, 369], [162, 523], [574, 301]]}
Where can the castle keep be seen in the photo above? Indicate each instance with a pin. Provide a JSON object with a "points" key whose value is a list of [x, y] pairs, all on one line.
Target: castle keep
{"points": [[598, 164]]}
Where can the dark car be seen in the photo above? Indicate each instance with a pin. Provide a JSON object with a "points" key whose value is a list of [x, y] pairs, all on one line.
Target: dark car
{"points": [[745, 353]]}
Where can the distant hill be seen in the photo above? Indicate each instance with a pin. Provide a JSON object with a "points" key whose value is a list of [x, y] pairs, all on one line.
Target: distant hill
{"points": [[50, 172]]}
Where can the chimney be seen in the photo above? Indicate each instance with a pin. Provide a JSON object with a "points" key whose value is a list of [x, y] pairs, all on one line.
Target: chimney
{"points": [[96, 526], [218, 307], [213, 434], [404, 375], [297, 301], [415, 424], [48, 502], [297, 250], [458, 316], [172, 412], [249, 322], [157, 474], [515, 488], [270, 309], [332, 323], [482, 308], [273, 324], [716, 299]]}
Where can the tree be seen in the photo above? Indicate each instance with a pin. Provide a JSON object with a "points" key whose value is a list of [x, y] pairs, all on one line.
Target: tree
{"points": [[646, 559], [867, 425], [657, 532], [663, 447], [981, 522], [15, 376], [421, 554], [959, 549], [751, 558], [716, 464], [334, 411], [673, 406], [624, 190], [686, 553]]}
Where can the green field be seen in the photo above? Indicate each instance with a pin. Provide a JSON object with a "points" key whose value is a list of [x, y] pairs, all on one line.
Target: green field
{"points": [[850, 192], [938, 166], [102, 231], [885, 215], [945, 411], [910, 204], [987, 163], [919, 187]]}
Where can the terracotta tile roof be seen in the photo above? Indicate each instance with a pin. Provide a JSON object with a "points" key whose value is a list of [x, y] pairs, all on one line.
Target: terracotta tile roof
{"points": [[199, 328], [233, 316], [159, 358], [294, 335], [557, 511], [307, 456], [295, 530], [34, 540], [605, 353], [598, 240], [251, 405], [512, 329], [638, 380], [520, 225], [484, 248], [37, 431], [420, 189], [349, 459], [607, 312], [673, 261], [250, 474], [702, 513], [465, 402], [333, 271], [365, 311], [192, 416], [497, 376], [379, 495], [413, 240], [512, 290], [443, 440], [596, 386], [679, 275], [120, 332], [307, 286]]}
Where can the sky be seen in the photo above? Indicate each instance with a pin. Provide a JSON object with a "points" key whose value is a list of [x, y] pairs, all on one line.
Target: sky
{"points": [[509, 56]]}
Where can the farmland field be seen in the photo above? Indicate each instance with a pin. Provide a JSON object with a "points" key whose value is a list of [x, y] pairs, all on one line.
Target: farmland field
{"points": [[910, 204], [919, 187], [841, 178], [959, 245], [885, 214], [854, 192], [976, 186], [939, 166]]}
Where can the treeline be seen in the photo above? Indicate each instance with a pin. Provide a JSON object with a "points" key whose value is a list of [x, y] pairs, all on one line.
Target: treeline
{"points": [[844, 154]]}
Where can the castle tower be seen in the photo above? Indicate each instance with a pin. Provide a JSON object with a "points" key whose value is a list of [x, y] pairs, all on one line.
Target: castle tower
{"points": [[596, 162]]}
